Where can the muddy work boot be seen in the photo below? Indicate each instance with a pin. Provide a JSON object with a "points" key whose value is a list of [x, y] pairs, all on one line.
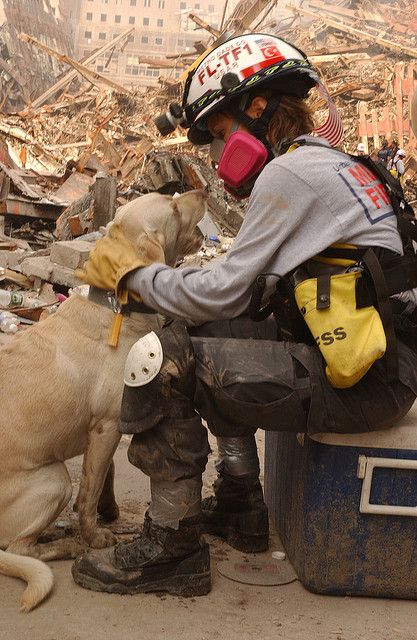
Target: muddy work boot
{"points": [[237, 513], [159, 559]]}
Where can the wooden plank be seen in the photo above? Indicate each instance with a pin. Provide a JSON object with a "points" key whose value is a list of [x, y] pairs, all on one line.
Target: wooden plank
{"points": [[73, 74], [92, 76], [156, 63], [105, 193], [398, 74], [374, 117], [204, 25], [385, 125], [363, 110], [410, 92]]}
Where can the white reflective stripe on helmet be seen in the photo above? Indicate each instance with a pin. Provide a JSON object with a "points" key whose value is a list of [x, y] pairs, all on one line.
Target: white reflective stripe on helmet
{"points": [[144, 361]]}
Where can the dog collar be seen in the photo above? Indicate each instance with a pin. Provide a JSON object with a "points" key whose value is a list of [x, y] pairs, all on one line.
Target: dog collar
{"points": [[108, 299]]}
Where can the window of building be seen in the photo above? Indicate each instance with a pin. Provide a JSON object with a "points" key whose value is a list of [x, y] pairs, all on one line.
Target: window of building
{"points": [[135, 71], [161, 4], [144, 39], [180, 43], [160, 22], [100, 68], [117, 19], [133, 3], [131, 19], [146, 3], [149, 72], [145, 22], [211, 8], [131, 38], [197, 6], [103, 17], [183, 5], [156, 72], [89, 16], [101, 35], [158, 41], [88, 34], [128, 70]]}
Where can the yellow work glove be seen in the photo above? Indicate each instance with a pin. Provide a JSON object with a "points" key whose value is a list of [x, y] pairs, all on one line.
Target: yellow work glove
{"points": [[112, 258]]}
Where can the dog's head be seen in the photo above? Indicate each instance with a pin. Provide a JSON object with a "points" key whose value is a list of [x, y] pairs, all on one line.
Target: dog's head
{"points": [[162, 227]]}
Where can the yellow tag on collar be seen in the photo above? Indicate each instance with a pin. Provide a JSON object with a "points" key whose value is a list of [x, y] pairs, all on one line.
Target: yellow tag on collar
{"points": [[116, 325]]}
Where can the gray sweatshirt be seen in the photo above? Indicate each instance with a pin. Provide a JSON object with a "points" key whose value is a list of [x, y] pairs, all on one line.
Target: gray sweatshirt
{"points": [[302, 202]]}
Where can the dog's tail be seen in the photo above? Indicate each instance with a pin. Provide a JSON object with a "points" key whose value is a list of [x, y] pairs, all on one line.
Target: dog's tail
{"points": [[37, 574]]}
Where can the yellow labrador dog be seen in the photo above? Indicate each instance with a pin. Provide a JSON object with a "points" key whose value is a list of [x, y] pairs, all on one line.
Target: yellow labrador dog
{"points": [[61, 388]]}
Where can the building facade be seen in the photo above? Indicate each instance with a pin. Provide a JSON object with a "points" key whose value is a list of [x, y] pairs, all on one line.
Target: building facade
{"points": [[161, 27]]}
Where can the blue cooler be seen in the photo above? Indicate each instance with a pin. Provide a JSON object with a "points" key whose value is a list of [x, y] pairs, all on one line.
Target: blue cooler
{"points": [[345, 507]]}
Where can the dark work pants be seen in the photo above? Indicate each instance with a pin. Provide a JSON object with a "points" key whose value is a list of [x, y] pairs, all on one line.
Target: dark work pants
{"points": [[245, 380]]}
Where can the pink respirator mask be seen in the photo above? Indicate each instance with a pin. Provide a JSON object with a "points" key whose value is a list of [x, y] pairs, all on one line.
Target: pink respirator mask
{"points": [[239, 161]]}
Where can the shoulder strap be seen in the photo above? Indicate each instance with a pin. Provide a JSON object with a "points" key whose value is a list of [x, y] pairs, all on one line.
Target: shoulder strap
{"points": [[406, 220]]}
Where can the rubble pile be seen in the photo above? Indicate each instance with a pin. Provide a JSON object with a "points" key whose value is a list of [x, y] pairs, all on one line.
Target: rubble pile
{"points": [[87, 145], [24, 72]]}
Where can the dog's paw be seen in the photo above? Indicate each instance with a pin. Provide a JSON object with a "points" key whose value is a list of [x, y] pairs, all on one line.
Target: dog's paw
{"points": [[102, 538]]}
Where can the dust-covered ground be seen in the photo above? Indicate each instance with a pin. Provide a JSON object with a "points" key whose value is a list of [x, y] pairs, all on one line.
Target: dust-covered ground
{"points": [[232, 611]]}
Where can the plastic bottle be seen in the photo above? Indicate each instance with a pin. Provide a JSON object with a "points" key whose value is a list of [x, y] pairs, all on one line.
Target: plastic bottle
{"points": [[9, 322], [10, 298]]}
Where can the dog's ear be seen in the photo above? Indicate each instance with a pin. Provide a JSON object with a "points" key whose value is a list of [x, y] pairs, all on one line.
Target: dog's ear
{"points": [[149, 247]]}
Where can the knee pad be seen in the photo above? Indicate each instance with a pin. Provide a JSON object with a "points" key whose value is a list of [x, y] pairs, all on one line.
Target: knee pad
{"points": [[238, 457], [160, 377]]}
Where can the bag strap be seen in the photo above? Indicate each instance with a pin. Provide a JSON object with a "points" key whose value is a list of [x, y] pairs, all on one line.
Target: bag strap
{"points": [[406, 220], [385, 311]]}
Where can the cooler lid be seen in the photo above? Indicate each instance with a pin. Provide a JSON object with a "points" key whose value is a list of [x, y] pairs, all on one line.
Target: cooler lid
{"points": [[401, 436]]}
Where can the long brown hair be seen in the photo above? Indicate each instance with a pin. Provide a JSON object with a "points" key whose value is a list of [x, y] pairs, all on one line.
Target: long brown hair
{"points": [[293, 117]]}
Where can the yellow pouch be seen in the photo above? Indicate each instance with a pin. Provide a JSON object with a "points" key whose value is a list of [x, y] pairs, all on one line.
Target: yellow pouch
{"points": [[350, 339]]}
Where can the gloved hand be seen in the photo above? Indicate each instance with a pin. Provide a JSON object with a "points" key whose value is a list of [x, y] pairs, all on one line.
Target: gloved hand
{"points": [[112, 258]]}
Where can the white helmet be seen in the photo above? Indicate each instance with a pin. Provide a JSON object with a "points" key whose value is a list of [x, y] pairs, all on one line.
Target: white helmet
{"points": [[401, 153], [236, 67]]}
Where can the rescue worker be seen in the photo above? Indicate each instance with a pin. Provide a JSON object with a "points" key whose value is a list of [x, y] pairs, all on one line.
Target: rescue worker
{"points": [[383, 153], [360, 149], [248, 99], [396, 166], [392, 152]]}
